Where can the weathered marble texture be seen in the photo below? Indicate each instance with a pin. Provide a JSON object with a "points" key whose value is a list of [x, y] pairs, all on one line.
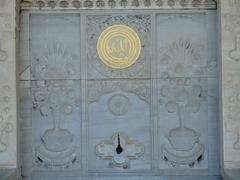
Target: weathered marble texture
{"points": [[229, 25], [229, 52], [8, 102], [177, 69]]}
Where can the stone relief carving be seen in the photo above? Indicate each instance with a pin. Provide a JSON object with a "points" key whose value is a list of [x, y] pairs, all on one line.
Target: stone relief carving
{"points": [[6, 118], [182, 58], [183, 97], [141, 24], [76, 4], [119, 104], [54, 99], [98, 88], [55, 62], [120, 150]]}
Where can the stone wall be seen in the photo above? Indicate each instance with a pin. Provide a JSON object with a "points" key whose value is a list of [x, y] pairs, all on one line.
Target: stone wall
{"points": [[229, 46], [229, 24], [8, 145]]}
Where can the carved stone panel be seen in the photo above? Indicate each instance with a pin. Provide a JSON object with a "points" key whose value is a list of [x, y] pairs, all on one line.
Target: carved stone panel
{"points": [[187, 92], [119, 107], [55, 91], [141, 24], [185, 51], [155, 115], [56, 123], [55, 48], [183, 102]]}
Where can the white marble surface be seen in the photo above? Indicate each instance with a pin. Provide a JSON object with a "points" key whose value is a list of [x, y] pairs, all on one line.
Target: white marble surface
{"points": [[8, 143], [230, 31], [228, 24]]}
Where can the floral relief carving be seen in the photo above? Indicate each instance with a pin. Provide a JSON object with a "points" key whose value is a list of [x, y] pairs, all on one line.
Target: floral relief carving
{"points": [[182, 58], [139, 23], [55, 62], [55, 100], [120, 150], [75, 4], [183, 96], [98, 88]]}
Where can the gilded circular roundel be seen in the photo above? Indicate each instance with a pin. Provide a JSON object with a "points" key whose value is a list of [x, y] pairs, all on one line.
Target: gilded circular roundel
{"points": [[119, 46]]}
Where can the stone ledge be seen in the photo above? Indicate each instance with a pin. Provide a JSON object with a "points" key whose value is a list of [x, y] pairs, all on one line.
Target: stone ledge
{"points": [[8, 174], [232, 174]]}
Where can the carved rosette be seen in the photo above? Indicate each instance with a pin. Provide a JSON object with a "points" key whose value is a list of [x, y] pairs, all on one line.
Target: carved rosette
{"points": [[118, 4], [131, 150]]}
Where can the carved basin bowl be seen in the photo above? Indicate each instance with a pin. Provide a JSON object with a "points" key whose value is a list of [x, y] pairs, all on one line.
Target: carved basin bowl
{"points": [[57, 140], [183, 139]]}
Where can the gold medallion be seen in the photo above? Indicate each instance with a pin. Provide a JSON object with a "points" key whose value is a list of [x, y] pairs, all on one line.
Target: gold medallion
{"points": [[119, 46]]}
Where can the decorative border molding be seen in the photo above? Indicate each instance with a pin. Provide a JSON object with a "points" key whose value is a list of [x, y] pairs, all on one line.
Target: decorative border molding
{"points": [[118, 4]]}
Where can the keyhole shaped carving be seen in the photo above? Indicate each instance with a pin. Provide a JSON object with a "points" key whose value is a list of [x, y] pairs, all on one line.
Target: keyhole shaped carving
{"points": [[119, 148]]}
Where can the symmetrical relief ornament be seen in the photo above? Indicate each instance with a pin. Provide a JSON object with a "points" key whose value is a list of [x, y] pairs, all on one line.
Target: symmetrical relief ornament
{"points": [[55, 100], [183, 97], [119, 150], [98, 88], [118, 4], [55, 62], [120, 50], [119, 46], [182, 58]]}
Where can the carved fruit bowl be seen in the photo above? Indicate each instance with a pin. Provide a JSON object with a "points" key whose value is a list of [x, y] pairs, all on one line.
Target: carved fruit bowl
{"points": [[57, 140], [183, 139]]}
